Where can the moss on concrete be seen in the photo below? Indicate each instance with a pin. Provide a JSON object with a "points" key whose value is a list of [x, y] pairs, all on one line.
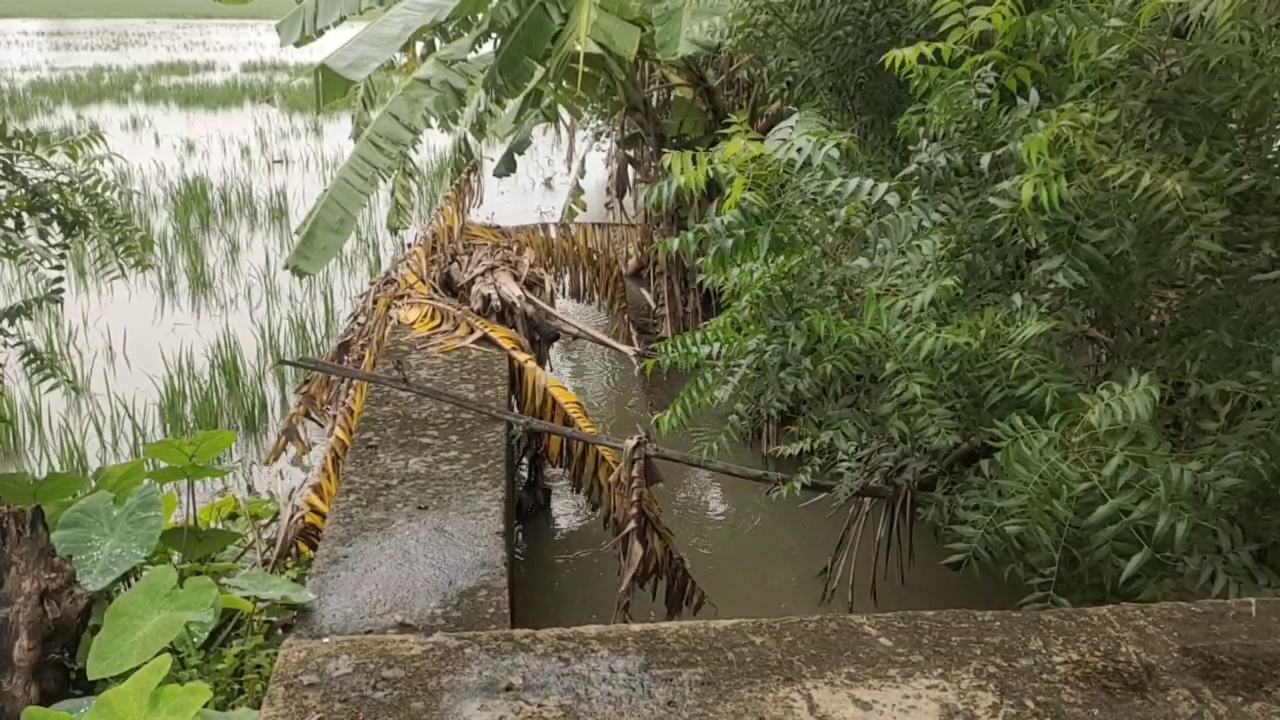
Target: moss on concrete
{"points": [[1130, 662]]}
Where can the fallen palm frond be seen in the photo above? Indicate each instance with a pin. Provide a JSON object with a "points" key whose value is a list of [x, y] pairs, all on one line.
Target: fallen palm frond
{"points": [[334, 403], [587, 260], [646, 547], [646, 555]]}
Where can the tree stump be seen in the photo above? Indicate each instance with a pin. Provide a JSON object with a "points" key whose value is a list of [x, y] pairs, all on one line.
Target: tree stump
{"points": [[41, 613]]}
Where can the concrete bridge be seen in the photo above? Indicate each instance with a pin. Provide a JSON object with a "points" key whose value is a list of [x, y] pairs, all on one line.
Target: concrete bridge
{"points": [[413, 619]]}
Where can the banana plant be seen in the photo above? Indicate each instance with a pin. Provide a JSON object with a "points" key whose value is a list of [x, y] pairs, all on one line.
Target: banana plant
{"points": [[484, 71]]}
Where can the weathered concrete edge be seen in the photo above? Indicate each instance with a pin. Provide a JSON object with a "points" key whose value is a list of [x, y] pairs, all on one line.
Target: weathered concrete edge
{"points": [[419, 537], [1169, 660]]}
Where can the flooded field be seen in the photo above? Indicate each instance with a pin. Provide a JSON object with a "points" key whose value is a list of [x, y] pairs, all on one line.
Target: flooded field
{"points": [[218, 138]]}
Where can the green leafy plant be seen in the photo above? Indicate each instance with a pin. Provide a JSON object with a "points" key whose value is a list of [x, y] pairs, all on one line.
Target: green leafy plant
{"points": [[188, 616], [1045, 316]]}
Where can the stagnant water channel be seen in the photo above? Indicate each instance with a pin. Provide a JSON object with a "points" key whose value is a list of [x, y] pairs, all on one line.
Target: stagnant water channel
{"points": [[229, 178]]}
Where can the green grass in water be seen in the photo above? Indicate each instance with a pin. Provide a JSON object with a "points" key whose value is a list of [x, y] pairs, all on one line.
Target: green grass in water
{"points": [[257, 10]]}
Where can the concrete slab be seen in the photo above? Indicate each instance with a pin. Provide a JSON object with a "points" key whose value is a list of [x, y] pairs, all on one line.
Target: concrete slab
{"points": [[1129, 662], [418, 539]]}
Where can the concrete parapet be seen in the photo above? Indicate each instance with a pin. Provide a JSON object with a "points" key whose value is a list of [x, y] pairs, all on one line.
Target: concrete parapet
{"points": [[1129, 662], [418, 540]]}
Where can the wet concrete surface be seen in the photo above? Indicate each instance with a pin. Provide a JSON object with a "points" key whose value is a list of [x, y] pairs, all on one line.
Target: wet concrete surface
{"points": [[418, 539], [1167, 661]]}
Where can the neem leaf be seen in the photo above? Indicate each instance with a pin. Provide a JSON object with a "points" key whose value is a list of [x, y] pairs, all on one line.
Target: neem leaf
{"points": [[265, 586], [105, 541], [145, 619]]}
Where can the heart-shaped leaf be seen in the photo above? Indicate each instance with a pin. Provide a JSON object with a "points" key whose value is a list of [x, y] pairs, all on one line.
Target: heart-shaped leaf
{"points": [[142, 696], [121, 479], [105, 541], [171, 451], [146, 618], [263, 585], [198, 543], [209, 444]]}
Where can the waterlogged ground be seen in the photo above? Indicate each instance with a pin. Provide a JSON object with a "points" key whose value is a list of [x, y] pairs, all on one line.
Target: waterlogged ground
{"points": [[215, 127]]}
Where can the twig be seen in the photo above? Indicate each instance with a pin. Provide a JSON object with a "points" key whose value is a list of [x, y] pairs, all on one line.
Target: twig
{"points": [[766, 477]]}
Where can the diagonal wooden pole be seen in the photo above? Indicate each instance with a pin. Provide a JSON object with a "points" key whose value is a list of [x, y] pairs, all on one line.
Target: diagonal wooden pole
{"points": [[766, 477]]}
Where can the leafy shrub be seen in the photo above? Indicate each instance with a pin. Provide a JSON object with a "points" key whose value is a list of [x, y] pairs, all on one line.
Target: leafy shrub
{"points": [[186, 622], [1053, 317]]}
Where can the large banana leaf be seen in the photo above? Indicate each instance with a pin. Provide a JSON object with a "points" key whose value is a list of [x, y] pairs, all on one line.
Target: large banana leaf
{"points": [[438, 89], [686, 27], [310, 19], [377, 43]]}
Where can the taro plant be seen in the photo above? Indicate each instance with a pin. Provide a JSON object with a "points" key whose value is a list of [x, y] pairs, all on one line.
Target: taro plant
{"points": [[185, 619]]}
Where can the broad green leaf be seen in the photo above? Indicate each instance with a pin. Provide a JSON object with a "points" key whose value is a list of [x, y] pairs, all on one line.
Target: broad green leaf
{"points": [[105, 541], [223, 508], [312, 18], [131, 699], [178, 473], [171, 451], [376, 43], [198, 543], [685, 27], [235, 602], [170, 502], [209, 444], [197, 630], [39, 713], [146, 618], [121, 479], [141, 696], [263, 585], [438, 88], [616, 34], [75, 707], [179, 702], [516, 59], [22, 490]]}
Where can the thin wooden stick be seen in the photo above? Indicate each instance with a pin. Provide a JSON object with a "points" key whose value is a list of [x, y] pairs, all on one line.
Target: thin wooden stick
{"points": [[586, 331], [765, 477]]}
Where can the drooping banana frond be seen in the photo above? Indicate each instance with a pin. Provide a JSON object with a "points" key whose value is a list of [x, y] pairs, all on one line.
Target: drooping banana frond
{"points": [[646, 553], [620, 492]]}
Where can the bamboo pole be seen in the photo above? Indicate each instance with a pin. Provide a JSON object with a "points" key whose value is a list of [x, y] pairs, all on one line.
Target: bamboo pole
{"points": [[765, 477]]}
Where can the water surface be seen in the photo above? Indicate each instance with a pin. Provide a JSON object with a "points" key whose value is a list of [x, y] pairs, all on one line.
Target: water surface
{"points": [[191, 343]]}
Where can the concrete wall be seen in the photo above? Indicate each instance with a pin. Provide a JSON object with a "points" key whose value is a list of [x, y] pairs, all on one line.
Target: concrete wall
{"points": [[418, 540], [1212, 660]]}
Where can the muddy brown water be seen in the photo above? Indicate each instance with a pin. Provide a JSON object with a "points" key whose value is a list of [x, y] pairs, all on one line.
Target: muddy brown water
{"points": [[755, 557]]}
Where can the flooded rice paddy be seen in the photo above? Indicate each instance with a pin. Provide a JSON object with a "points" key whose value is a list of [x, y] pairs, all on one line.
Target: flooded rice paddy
{"points": [[217, 137]]}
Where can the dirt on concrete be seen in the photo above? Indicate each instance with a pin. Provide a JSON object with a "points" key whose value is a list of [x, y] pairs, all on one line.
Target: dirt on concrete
{"points": [[1131, 662]]}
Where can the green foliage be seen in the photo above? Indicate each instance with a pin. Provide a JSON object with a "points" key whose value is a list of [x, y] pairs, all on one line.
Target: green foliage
{"points": [[58, 198], [105, 540], [188, 602], [1052, 313], [549, 59]]}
